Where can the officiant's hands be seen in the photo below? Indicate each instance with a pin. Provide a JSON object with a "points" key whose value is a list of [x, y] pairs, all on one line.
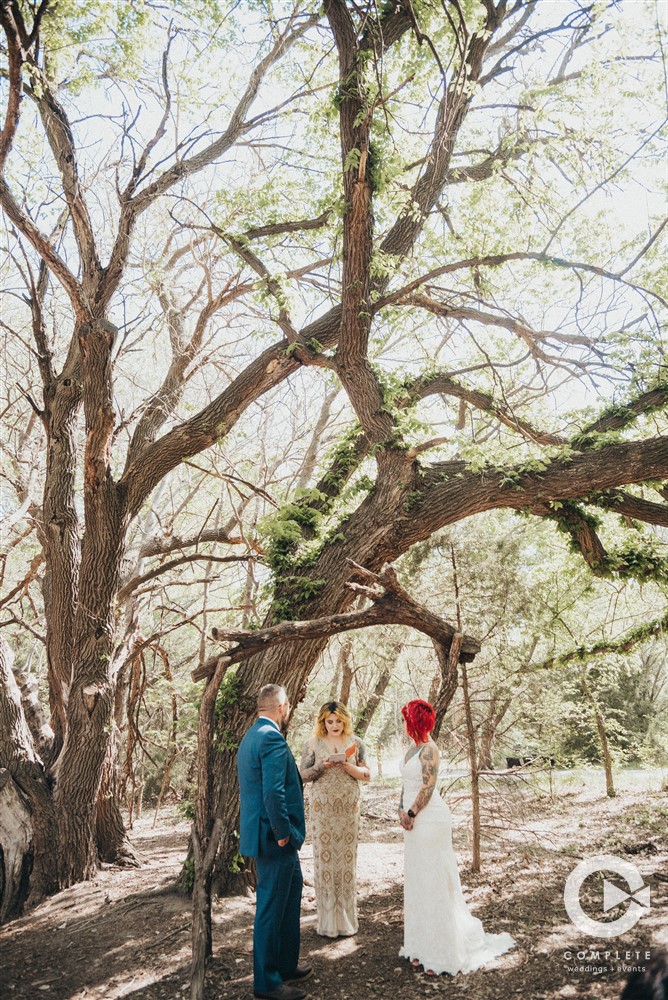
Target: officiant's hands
{"points": [[359, 773]]}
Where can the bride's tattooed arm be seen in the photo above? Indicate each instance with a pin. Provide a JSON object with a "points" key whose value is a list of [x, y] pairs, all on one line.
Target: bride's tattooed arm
{"points": [[429, 760]]}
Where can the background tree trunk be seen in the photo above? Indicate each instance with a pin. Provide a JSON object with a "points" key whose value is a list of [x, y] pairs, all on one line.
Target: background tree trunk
{"points": [[27, 793], [604, 743], [366, 713], [448, 661], [498, 707], [471, 747], [345, 663]]}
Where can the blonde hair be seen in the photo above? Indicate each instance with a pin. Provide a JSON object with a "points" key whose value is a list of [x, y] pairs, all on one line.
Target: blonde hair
{"points": [[333, 708]]}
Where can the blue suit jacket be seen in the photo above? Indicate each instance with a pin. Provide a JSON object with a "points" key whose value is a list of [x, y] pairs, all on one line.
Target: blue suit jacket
{"points": [[272, 799]]}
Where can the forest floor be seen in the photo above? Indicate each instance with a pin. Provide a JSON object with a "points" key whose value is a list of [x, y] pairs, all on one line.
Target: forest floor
{"points": [[127, 933]]}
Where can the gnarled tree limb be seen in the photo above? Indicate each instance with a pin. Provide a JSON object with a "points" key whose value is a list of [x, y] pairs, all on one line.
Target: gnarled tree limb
{"points": [[390, 605]]}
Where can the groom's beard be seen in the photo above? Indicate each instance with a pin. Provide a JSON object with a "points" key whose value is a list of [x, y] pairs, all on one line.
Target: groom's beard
{"points": [[283, 725]]}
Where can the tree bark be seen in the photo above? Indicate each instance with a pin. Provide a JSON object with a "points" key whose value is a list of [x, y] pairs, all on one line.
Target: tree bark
{"points": [[604, 743], [366, 713], [113, 845], [15, 848], [28, 795], [345, 656], [472, 751], [497, 710], [60, 534], [91, 700], [40, 730], [448, 660], [205, 835]]}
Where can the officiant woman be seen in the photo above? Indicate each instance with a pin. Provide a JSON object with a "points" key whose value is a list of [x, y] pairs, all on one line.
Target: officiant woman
{"points": [[333, 763]]}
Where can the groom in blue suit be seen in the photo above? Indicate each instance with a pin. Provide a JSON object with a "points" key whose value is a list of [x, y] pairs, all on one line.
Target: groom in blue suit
{"points": [[272, 830]]}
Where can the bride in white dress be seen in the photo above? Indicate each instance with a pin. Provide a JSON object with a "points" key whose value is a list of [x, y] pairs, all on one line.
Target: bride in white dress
{"points": [[440, 932]]}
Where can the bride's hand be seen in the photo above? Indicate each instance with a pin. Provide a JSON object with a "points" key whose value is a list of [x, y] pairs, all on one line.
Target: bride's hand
{"points": [[405, 820]]}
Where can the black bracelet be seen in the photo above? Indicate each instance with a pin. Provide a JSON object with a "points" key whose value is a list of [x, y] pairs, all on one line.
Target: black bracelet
{"points": [[411, 814]]}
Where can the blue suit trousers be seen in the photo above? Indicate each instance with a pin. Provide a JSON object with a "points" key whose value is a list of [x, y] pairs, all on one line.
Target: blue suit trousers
{"points": [[276, 933]]}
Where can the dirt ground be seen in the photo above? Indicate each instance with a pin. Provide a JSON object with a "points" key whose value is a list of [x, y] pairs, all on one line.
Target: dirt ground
{"points": [[127, 934]]}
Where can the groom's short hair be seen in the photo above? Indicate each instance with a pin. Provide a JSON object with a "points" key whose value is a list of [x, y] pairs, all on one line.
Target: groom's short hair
{"points": [[270, 697]]}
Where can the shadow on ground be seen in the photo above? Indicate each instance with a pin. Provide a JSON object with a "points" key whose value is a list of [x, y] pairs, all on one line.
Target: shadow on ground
{"points": [[126, 934]]}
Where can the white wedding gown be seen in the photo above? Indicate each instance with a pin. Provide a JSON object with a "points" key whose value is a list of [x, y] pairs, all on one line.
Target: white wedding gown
{"points": [[439, 929]]}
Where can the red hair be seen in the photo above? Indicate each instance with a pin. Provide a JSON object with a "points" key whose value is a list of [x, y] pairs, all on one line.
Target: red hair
{"points": [[420, 719]]}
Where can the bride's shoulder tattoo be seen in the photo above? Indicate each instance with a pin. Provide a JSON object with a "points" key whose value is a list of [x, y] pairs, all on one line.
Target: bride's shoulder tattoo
{"points": [[429, 762], [429, 759]]}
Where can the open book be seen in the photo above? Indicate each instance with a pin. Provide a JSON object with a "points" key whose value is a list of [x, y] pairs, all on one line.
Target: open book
{"points": [[341, 758]]}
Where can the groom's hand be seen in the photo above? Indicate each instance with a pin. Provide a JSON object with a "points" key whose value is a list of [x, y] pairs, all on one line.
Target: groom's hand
{"points": [[283, 842]]}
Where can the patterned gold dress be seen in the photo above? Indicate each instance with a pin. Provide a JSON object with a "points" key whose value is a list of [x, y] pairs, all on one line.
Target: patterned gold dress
{"points": [[334, 810]]}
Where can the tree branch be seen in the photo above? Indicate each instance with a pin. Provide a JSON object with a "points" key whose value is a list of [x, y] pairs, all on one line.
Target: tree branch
{"points": [[623, 644], [132, 585], [450, 116], [443, 383], [132, 207], [621, 415], [635, 507], [43, 246], [449, 492], [278, 228], [496, 260], [391, 604], [15, 56], [159, 546]]}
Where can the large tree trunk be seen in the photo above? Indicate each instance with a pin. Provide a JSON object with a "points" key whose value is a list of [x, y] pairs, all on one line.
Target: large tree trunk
{"points": [[288, 664], [16, 855], [60, 536], [110, 834], [80, 767], [28, 836], [90, 707]]}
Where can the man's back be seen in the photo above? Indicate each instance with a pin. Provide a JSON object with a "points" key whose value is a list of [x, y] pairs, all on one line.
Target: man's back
{"points": [[272, 806]]}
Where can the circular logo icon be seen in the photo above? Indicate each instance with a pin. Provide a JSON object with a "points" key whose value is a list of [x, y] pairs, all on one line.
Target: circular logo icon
{"points": [[612, 896]]}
